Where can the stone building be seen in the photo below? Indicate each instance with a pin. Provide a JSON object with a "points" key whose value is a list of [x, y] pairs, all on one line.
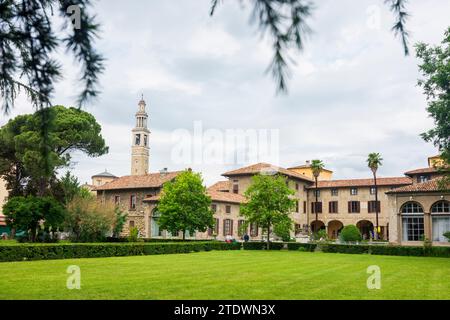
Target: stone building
{"points": [[3, 198], [410, 207]]}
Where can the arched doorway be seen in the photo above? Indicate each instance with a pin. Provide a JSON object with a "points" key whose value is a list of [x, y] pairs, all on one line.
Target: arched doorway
{"points": [[366, 229], [334, 229], [317, 225], [440, 214]]}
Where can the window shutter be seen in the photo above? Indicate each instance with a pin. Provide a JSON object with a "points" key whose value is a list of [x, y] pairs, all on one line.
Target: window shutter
{"points": [[349, 207], [224, 227], [231, 227], [358, 206]]}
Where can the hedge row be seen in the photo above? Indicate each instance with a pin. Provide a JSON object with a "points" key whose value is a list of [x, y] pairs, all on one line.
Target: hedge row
{"points": [[262, 245], [96, 250], [310, 247], [115, 240], [387, 250]]}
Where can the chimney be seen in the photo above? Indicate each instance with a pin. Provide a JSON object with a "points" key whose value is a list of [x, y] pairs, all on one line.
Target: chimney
{"points": [[163, 172], [308, 162]]}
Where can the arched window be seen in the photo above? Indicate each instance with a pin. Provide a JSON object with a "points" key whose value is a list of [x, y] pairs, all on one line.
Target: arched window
{"points": [[440, 221], [412, 207], [412, 221], [441, 207]]}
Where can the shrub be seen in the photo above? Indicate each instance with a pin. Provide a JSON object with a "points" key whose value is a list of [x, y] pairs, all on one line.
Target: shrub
{"points": [[134, 233], [447, 235], [310, 247], [320, 235], [262, 245], [350, 233]]}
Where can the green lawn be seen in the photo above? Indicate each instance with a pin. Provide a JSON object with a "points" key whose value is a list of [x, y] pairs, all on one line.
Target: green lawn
{"points": [[230, 275]]}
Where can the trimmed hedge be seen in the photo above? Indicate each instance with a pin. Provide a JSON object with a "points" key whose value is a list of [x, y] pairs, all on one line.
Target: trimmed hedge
{"points": [[97, 250], [387, 250], [120, 240], [262, 245], [310, 247]]}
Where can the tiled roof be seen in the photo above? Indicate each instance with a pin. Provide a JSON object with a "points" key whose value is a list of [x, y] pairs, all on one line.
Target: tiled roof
{"points": [[220, 186], [422, 170], [104, 174], [428, 186], [229, 197], [265, 168], [216, 196], [395, 181], [304, 166], [151, 180]]}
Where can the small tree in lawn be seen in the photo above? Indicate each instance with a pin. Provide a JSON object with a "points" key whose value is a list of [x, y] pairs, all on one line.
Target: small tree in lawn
{"points": [[268, 202], [185, 206]]}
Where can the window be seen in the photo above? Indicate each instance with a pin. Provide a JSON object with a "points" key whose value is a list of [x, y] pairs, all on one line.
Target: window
{"points": [[214, 208], [304, 206], [412, 207], [373, 190], [145, 140], [297, 186], [423, 178], [333, 207], [235, 186], [297, 228], [228, 209], [316, 193], [354, 207], [133, 202], [254, 229], [412, 228], [296, 206], [372, 206], [137, 139], [317, 205], [354, 191], [116, 200], [131, 224], [241, 230], [334, 192], [227, 227], [216, 227], [441, 207]]}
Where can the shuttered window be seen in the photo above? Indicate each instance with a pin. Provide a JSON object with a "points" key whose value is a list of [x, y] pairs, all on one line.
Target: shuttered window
{"points": [[354, 207]]}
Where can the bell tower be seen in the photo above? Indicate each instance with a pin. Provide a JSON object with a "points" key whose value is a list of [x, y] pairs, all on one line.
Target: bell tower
{"points": [[140, 137]]}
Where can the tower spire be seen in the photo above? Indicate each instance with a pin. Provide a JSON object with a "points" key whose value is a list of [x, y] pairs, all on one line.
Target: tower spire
{"points": [[140, 138]]}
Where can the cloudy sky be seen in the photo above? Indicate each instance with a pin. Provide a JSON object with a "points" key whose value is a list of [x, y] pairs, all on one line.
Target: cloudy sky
{"points": [[352, 91]]}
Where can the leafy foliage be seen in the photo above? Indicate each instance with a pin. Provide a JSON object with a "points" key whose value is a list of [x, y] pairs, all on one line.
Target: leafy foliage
{"points": [[28, 41], [374, 161], [350, 233], [184, 205], [435, 69], [286, 23], [268, 203], [89, 220], [23, 164], [34, 214]]}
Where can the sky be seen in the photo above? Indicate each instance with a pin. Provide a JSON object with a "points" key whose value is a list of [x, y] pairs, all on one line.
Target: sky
{"points": [[352, 91]]}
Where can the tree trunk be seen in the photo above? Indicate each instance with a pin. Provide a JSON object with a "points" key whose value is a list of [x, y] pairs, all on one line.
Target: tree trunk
{"points": [[268, 236], [315, 206], [184, 235], [376, 205]]}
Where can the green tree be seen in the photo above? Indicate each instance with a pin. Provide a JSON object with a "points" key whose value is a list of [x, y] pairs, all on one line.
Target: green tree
{"points": [[119, 222], [350, 233], [317, 167], [435, 69], [32, 214], [22, 162], [269, 203], [374, 161], [184, 205]]}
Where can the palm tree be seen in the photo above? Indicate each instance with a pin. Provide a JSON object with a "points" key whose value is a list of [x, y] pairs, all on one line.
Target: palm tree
{"points": [[374, 162], [316, 167]]}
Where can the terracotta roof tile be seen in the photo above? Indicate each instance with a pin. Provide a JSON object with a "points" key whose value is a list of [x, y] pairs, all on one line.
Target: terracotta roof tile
{"points": [[151, 180], [265, 168], [422, 170], [229, 197], [394, 181], [220, 186], [428, 186]]}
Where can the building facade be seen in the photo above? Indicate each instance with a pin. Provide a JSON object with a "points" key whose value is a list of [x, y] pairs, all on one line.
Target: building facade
{"points": [[409, 208]]}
